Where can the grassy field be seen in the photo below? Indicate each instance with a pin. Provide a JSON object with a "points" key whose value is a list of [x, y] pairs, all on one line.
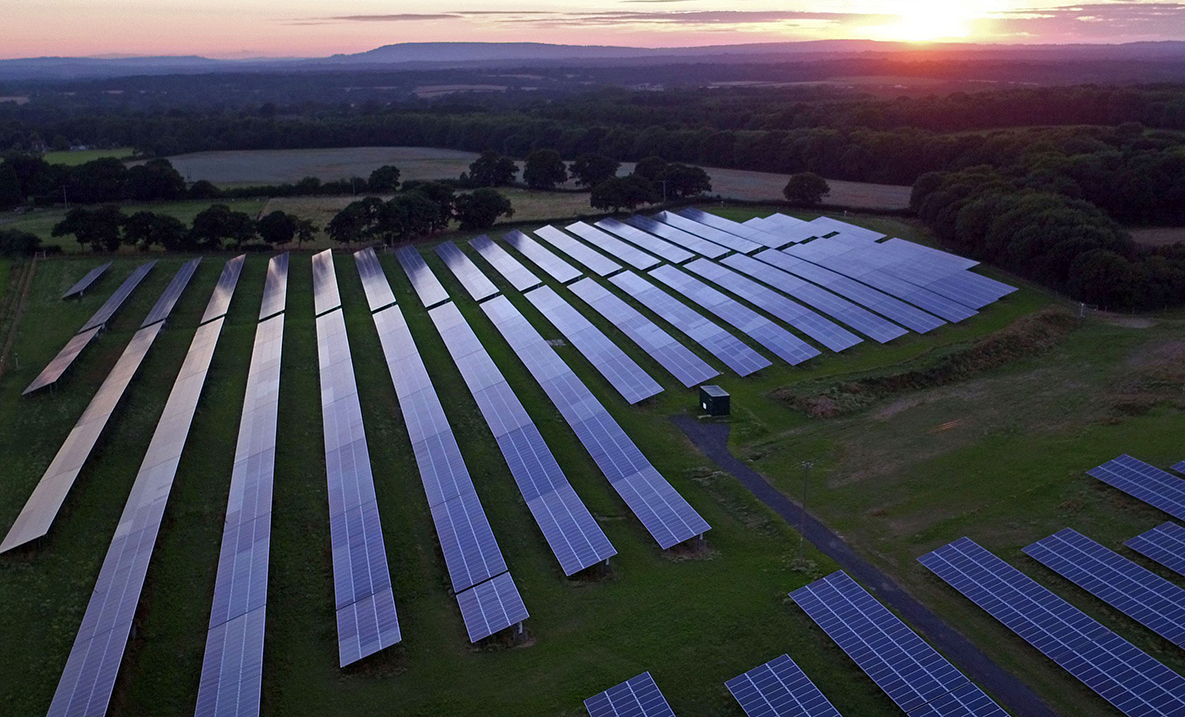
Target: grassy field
{"points": [[999, 457], [75, 158]]}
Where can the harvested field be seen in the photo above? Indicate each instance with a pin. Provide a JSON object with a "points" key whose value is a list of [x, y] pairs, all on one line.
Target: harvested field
{"points": [[1158, 236]]}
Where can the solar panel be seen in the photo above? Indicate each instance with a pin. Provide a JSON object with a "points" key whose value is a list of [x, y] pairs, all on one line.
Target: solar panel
{"points": [[649, 242], [781, 342], [890, 307], [325, 294], [85, 282], [621, 371], [1119, 672], [779, 688], [275, 287], [168, 299], [676, 236], [663, 512], [474, 281], [1137, 592], [613, 246], [1180, 467], [374, 281], [676, 358], [542, 257], [595, 262], [425, 283], [232, 667], [366, 620], [570, 530], [723, 345], [89, 676], [907, 669], [491, 606], [838, 308], [46, 500], [108, 309], [748, 232], [771, 302], [219, 302], [1148, 483], [786, 228], [716, 236], [636, 697], [1165, 544], [835, 225], [58, 365], [966, 701], [519, 276]]}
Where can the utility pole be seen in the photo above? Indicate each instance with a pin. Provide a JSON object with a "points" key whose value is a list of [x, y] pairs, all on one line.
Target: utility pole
{"points": [[64, 199], [806, 477], [663, 182]]}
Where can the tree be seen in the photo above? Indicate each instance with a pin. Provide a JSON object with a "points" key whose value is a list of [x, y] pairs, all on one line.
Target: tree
{"points": [[14, 242], [544, 169], [480, 208], [203, 189], [146, 229], [99, 180], [277, 228], [305, 231], [681, 180], [491, 169], [591, 169], [617, 193], [359, 221], [409, 214], [806, 189], [219, 224], [10, 187], [650, 167], [100, 228], [441, 195], [383, 180], [155, 179]]}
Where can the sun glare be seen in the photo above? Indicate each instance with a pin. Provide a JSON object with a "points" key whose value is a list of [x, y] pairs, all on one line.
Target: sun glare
{"points": [[929, 22]]}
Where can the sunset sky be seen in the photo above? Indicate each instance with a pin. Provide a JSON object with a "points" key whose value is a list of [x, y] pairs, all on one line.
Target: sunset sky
{"points": [[302, 28]]}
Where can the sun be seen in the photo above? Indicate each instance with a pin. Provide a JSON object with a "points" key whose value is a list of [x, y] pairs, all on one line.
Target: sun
{"points": [[929, 22]]}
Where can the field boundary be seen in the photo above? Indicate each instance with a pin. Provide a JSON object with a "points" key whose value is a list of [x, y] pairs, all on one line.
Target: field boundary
{"points": [[12, 316]]}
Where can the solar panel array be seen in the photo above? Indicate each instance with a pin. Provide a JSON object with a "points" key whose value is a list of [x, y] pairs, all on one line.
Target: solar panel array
{"points": [[109, 307], [712, 234], [168, 299], [688, 241], [224, 290], [676, 358], [365, 605], [890, 307], [907, 669], [85, 282], [475, 282], [636, 697], [771, 302], [470, 550], [1165, 544], [1120, 673], [1147, 482], [613, 246], [788, 230], [663, 512], [621, 371], [841, 309], [753, 234], [594, 261], [779, 688], [649, 242], [1138, 592], [519, 276], [89, 676], [275, 287], [781, 342], [966, 701], [544, 258], [570, 530], [425, 283], [325, 294], [232, 667], [723, 345], [374, 281]]}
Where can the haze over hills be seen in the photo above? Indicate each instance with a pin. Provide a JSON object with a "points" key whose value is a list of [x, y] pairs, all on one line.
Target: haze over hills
{"points": [[439, 55]]}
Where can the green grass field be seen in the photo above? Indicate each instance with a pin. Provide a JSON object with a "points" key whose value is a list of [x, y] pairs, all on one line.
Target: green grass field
{"points": [[999, 457], [73, 159]]}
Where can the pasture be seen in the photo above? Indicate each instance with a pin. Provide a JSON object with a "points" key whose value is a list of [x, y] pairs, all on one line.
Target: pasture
{"points": [[73, 158], [999, 456]]}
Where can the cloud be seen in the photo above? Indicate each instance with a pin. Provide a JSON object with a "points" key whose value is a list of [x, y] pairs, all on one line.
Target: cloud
{"points": [[402, 17], [1115, 22], [626, 17]]}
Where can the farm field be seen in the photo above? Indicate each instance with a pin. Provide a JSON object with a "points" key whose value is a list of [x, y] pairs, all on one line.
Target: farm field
{"points": [[999, 456], [75, 158], [1158, 236]]}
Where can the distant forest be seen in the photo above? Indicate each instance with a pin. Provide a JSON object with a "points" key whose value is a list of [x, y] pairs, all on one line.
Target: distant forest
{"points": [[1065, 164]]}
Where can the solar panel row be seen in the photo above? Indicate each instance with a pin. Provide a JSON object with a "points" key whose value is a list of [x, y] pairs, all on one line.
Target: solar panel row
{"points": [[621, 371], [680, 238], [613, 246], [108, 309], [663, 512], [712, 234], [219, 302], [649, 242], [788, 230], [1139, 593], [89, 676], [676, 358], [544, 258], [275, 287], [232, 667], [1146, 482], [723, 345], [753, 234], [771, 302], [636, 697], [779, 688], [570, 530], [425, 283], [966, 701], [168, 299], [475, 282], [374, 281], [781, 342], [325, 294], [85, 282], [1120, 673], [486, 593], [519, 276], [594, 261], [1165, 544]]}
